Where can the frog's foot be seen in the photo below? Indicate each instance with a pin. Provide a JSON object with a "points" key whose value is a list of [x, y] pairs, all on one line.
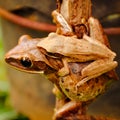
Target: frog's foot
{"points": [[96, 69], [65, 70], [63, 26]]}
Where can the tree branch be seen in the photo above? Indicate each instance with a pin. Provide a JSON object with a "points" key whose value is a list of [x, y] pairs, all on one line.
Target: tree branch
{"points": [[42, 26], [26, 22]]}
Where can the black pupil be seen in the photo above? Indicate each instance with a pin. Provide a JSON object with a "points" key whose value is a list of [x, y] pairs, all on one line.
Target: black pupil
{"points": [[61, 1], [26, 62]]}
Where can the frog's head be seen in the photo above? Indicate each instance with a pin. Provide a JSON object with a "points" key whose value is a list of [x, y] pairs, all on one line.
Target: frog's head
{"points": [[26, 56]]}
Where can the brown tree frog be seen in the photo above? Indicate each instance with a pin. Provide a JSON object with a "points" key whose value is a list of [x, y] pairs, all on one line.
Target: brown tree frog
{"points": [[88, 49], [33, 56]]}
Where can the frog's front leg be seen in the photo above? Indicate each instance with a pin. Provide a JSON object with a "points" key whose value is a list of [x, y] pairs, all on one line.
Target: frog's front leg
{"points": [[96, 69], [65, 70]]}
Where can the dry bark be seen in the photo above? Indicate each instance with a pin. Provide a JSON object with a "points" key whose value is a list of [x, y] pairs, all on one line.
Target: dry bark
{"points": [[76, 10]]}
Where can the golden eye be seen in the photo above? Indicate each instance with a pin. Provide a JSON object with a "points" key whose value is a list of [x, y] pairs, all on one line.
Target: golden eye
{"points": [[26, 62]]}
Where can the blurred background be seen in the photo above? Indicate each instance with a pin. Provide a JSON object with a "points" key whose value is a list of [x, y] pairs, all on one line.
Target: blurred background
{"points": [[26, 96]]}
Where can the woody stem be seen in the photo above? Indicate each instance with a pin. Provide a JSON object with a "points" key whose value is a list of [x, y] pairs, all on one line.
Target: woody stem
{"points": [[42, 26]]}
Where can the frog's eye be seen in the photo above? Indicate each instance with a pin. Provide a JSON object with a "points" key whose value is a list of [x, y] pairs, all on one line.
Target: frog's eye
{"points": [[26, 62]]}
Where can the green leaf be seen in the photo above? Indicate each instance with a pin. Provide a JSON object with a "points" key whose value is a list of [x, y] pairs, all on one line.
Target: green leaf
{"points": [[8, 115]]}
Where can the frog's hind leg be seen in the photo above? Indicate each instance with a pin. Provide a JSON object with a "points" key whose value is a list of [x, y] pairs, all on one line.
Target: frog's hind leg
{"points": [[96, 69]]}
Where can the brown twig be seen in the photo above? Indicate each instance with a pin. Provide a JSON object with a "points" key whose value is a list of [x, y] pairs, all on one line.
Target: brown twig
{"points": [[42, 26], [26, 22], [112, 31]]}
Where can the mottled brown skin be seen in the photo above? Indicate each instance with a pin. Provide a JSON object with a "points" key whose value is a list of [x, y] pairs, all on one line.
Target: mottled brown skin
{"points": [[73, 49], [104, 78]]}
